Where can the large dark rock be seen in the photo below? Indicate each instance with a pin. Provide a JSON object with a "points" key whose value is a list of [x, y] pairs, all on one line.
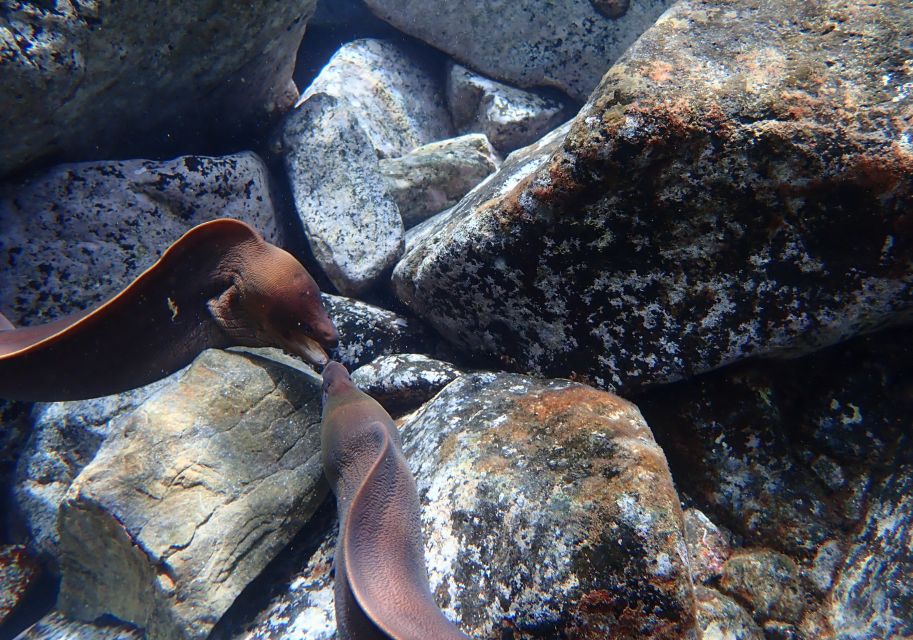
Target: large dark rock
{"points": [[86, 80], [739, 184]]}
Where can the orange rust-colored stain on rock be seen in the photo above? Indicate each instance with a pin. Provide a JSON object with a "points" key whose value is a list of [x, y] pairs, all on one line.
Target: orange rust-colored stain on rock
{"points": [[659, 71], [883, 172], [507, 209]]}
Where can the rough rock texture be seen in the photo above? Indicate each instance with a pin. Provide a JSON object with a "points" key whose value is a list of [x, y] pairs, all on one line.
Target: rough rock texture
{"points": [[873, 595], [568, 45], [84, 79], [367, 332], [404, 381], [768, 582], [18, 572], [739, 184], [435, 176], [204, 483], [396, 101], [352, 225], [65, 436], [547, 511], [708, 546], [75, 235], [721, 618], [510, 117], [56, 626]]}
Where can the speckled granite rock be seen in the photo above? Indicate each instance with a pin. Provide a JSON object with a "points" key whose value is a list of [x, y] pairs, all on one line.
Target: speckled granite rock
{"points": [[547, 510], [367, 332], [768, 582], [75, 235], [738, 185], [395, 100], [56, 626], [708, 546], [404, 381], [352, 225], [721, 618], [510, 117], [18, 572], [204, 483], [65, 436], [873, 594], [568, 45], [435, 176], [77, 75]]}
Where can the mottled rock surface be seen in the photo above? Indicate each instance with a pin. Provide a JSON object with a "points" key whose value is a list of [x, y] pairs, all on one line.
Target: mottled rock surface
{"points": [[65, 436], [873, 595], [722, 618], [93, 79], [18, 572], [739, 184], [367, 332], [75, 235], [511, 118], [204, 483], [56, 626], [568, 45], [352, 225], [708, 546], [768, 582], [435, 176], [404, 381]]}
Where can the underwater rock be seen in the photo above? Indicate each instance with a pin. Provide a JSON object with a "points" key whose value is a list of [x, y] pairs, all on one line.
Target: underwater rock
{"points": [[721, 618], [510, 117], [201, 486], [352, 225], [74, 235], [768, 581], [18, 572], [708, 546], [404, 381], [87, 80], [435, 176], [739, 184], [568, 45], [65, 436], [395, 99], [367, 332], [873, 594], [56, 626], [547, 510]]}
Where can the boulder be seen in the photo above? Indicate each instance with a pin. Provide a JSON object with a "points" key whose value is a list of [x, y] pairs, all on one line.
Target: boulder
{"points": [[367, 332], [56, 626], [436, 176], [201, 486], [709, 546], [873, 593], [722, 618], [737, 185], [768, 582], [511, 118], [76, 234], [404, 381], [114, 79], [547, 511], [568, 45], [18, 573]]}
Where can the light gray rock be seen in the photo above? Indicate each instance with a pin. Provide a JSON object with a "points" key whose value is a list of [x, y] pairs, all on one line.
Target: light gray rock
{"points": [[75, 235], [352, 225], [367, 332], [65, 436], [435, 176], [714, 200], [708, 546], [768, 582], [56, 626], [202, 485], [722, 618], [539, 499], [873, 593], [110, 78], [568, 45], [395, 99], [510, 117], [403, 381]]}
